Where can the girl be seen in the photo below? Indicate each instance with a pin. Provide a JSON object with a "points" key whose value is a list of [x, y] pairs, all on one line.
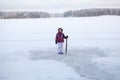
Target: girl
{"points": [[59, 40]]}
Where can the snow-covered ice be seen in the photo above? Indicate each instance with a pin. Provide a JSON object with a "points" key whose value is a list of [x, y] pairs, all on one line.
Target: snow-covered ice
{"points": [[28, 50]]}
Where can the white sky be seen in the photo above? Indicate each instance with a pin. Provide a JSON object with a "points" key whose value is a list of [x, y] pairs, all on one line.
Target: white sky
{"points": [[57, 5]]}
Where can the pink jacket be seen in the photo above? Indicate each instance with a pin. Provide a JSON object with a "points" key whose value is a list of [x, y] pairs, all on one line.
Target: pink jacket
{"points": [[60, 37]]}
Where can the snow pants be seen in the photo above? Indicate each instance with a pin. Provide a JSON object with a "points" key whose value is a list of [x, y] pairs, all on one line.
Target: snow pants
{"points": [[60, 47]]}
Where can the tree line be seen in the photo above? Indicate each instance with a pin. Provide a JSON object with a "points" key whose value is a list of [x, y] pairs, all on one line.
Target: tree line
{"points": [[75, 13], [92, 12], [27, 14]]}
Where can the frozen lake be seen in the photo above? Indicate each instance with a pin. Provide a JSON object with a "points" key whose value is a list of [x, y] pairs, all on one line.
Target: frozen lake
{"points": [[30, 34], [93, 48]]}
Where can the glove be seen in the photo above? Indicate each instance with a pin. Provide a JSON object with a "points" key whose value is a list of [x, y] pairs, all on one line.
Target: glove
{"points": [[67, 36], [55, 42]]}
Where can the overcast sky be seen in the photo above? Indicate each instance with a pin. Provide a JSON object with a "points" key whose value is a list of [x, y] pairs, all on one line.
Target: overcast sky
{"points": [[57, 5]]}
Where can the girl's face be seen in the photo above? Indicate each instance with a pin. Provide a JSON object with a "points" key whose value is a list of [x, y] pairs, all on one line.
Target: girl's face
{"points": [[59, 30]]}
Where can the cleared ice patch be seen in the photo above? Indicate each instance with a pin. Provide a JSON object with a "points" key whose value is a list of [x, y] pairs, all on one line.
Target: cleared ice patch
{"points": [[37, 70]]}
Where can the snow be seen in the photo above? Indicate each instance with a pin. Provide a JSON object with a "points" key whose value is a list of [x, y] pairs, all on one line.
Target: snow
{"points": [[28, 50]]}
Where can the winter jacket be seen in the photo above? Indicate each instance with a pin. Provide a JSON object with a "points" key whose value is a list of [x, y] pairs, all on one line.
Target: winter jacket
{"points": [[60, 37]]}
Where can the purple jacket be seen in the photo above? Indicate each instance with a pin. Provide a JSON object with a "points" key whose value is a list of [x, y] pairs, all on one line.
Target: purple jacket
{"points": [[60, 37]]}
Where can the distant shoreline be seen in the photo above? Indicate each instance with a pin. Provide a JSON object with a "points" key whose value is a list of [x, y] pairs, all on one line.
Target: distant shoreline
{"points": [[75, 13]]}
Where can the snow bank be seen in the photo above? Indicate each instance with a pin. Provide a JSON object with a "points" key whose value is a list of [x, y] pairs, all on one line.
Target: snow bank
{"points": [[110, 65], [110, 61]]}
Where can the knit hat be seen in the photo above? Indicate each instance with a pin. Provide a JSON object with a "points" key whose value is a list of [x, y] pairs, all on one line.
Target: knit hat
{"points": [[59, 29]]}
